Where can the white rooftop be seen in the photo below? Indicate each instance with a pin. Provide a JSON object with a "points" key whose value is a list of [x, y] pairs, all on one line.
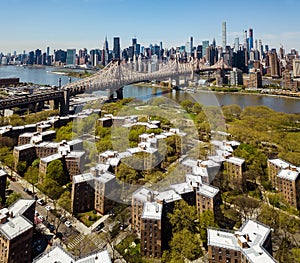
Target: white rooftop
{"points": [[51, 158], [152, 211], [208, 190], [105, 177], [288, 174], [56, 254], [280, 163], [15, 227], [20, 206], [168, 196], [142, 194], [252, 233], [235, 160], [182, 188], [2, 172], [82, 178]]}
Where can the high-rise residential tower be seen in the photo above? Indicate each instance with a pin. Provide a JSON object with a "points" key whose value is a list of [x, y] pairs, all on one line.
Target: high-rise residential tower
{"points": [[191, 46], [224, 37], [116, 49], [250, 39]]}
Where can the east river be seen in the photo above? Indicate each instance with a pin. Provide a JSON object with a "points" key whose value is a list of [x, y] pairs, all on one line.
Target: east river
{"points": [[43, 76]]}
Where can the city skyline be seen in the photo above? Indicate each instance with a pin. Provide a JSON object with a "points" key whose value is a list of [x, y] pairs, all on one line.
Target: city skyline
{"points": [[85, 23]]}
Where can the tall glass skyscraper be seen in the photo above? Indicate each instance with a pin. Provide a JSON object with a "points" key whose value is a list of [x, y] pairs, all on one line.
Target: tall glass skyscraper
{"points": [[71, 57], [205, 44], [116, 48], [224, 36]]}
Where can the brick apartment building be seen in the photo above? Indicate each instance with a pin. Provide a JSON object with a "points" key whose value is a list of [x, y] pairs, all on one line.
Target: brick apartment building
{"points": [[286, 179], [250, 244], [3, 177], [16, 231]]}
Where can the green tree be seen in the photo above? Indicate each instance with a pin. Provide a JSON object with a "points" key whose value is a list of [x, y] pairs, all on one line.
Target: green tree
{"points": [[55, 171], [13, 197], [126, 173], [184, 245], [21, 167], [52, 189], [65, 201], [31, 176], [183, 217], [206, 219]]}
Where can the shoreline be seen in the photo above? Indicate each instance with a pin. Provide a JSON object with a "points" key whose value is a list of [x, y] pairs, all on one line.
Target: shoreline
{"points": [[219, 92]]}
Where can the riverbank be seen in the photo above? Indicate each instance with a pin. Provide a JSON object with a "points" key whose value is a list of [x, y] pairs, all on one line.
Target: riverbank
{"points": [[194, 89]]}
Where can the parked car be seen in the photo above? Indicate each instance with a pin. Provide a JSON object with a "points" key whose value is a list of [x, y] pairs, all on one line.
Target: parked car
{"points": [[63, 219], [27, 191], [40, 217], [68, 224], [36, 213], [41, 201], [99, 227], [48, 207]]}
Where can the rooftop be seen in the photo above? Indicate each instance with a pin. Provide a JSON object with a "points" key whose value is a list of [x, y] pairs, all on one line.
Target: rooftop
{"points": [[51, 158], [58, 254], [182, 188], [288, 174], [83, 178], [235, 160], [15, 227], [2, 172], [142, 194], [152, 211], [105, 177], [208, 190], [20, 206], [280, 163], [252, 233], [168, 196]]}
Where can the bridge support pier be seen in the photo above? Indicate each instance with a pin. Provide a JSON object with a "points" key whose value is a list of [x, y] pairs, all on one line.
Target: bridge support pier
{"points": [[64, 103], [120, 93]]}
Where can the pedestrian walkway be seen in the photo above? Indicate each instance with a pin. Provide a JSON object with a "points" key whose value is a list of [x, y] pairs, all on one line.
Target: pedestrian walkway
{"points": [[77, 240]]}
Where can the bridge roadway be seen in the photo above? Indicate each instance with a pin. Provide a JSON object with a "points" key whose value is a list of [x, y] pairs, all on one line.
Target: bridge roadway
{"points": [[113, 77], [31, 99]]}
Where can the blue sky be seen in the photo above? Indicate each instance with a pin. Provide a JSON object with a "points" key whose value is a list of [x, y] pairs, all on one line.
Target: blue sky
{"points": [[30, 24]]}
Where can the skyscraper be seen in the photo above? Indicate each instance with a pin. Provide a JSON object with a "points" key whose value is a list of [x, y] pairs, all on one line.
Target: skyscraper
{"points": [[205, 45], [191, 47], [250, 39], [236, 44], [224, 37], [116, 49], [71, 57]]}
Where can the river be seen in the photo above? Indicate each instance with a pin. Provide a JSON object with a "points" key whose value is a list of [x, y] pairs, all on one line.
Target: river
{"points": [[43, 75]]}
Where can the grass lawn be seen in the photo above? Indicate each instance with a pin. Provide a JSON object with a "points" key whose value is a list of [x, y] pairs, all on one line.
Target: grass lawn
{"points": [[88, 218]]}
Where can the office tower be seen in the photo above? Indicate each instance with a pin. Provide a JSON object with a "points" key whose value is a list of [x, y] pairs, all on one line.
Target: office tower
{"points": [[38, 57], [60, 56], [116, 48], [245, 40], [199, 51], [274, 63], [105, 51], [161, 45], [134, 41], [71, 57], [48, 51], [236, 44], [205, 45], [250, 38], [191, 46], [31, 58], [214, 44], [224, 37]]}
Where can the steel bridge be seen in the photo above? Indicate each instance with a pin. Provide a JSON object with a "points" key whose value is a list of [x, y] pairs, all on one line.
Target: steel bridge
{"points": [[116, 75], [113, 78]]}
